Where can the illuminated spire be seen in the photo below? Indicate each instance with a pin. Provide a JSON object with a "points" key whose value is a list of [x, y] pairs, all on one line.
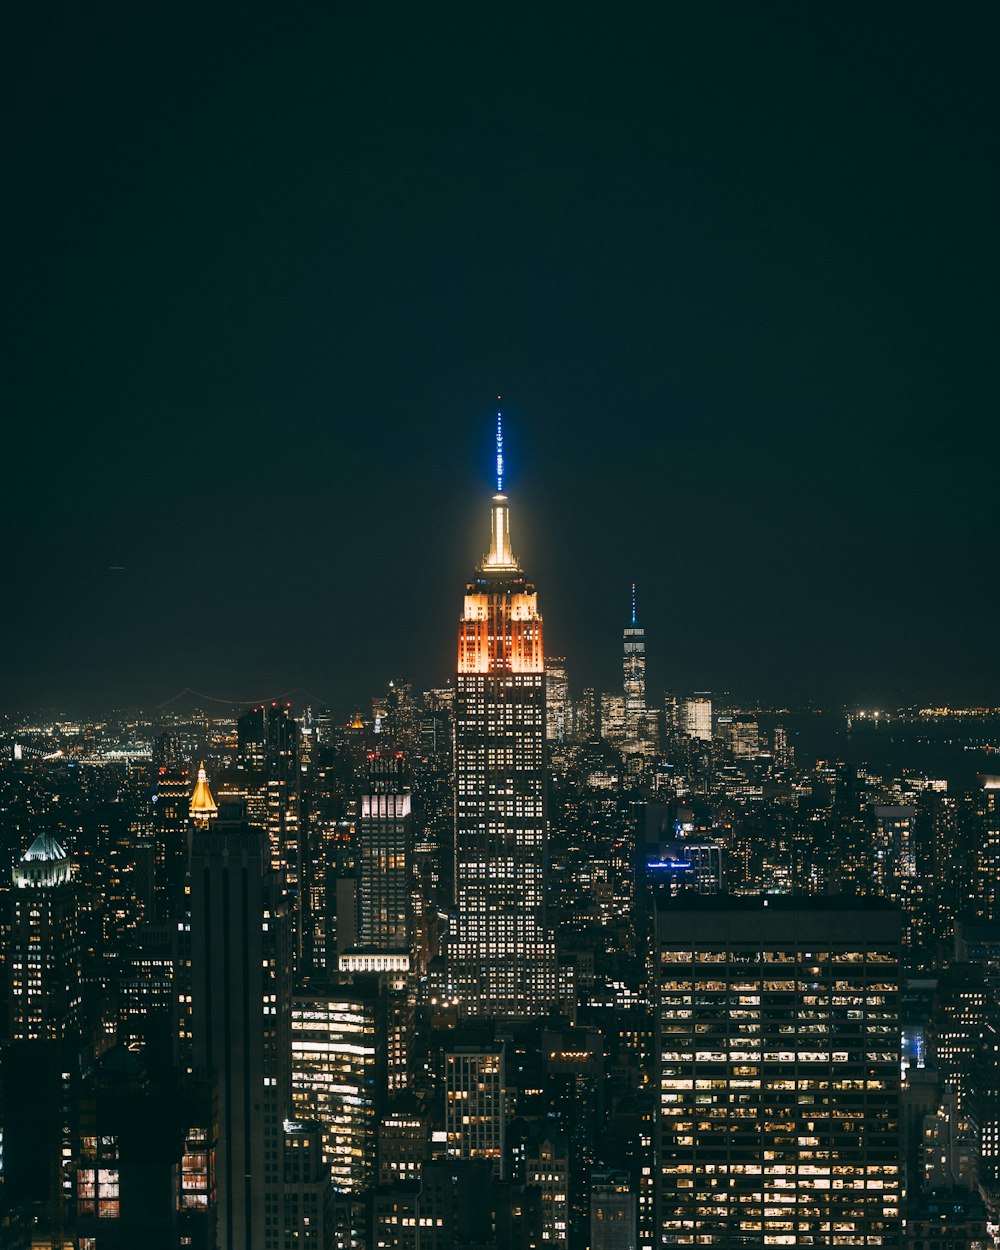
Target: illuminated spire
{"points": [[500, 558], [633, 603], [203, 806], [499, 450]]}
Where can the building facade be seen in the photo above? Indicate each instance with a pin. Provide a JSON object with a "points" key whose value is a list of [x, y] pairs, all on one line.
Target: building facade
{"points": [[501, 957], [385, 858], [45, 946], [475, 1105], [241, 1002], [779, 1071], [338, 1075], [634, 674]]}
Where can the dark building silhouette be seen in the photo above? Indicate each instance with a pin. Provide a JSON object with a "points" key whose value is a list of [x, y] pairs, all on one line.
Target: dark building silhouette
{"points": [[241, 991]]}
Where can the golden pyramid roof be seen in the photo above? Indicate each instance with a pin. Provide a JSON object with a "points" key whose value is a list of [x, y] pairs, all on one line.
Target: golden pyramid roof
{"points": [[203, 805]]}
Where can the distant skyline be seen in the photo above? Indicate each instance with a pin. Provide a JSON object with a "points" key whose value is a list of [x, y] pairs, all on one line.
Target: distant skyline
{"points": [[733, 271]]}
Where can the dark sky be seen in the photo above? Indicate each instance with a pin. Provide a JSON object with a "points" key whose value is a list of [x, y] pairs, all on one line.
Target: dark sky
{"points": [[734, 268]]}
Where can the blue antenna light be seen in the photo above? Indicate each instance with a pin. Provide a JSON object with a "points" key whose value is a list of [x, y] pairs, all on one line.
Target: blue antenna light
{"points": [[499, 452], [633, 603]]}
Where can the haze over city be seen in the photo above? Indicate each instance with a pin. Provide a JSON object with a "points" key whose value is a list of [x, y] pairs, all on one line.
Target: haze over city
{"points": [[733, 274]]}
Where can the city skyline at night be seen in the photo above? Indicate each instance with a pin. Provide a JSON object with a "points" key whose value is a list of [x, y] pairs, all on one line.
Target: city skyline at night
{"points": [[499, 702]]}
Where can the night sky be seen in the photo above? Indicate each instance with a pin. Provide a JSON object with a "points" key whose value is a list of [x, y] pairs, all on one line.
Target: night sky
{"points": [[734, 269]]}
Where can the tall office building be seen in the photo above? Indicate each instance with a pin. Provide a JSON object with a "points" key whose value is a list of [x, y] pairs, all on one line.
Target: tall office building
{"points": [[779, 1072], [338, 1075], [501, 957], [612, 1211], [696, 717], [241, 1004], [385, 858], [45, 951], [546, 1167], [634, 674], [894, 852], [613, 718], [39, 1069], [475, 1104], [744, 736], [308, 1196], [558, 709], [170, 799]]}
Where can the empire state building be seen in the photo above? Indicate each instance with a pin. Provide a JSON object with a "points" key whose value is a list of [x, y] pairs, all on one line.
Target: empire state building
{"points": [[501, 958]]}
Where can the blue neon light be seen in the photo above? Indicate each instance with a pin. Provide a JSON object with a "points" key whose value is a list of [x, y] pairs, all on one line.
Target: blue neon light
{"points": [[499, 453]]}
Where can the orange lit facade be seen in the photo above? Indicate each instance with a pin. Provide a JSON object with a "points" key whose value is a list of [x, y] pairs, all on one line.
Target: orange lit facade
{"points": [[501, 957]]}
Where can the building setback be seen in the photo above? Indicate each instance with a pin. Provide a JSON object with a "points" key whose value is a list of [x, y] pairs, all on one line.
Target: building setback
{"points": [[502, 960]]}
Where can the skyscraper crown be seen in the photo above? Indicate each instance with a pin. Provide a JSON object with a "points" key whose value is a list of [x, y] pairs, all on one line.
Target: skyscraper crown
{"points": [[500, 558], [44, 863]]}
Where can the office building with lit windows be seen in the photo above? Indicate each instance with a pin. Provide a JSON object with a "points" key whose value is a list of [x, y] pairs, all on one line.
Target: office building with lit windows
{"points": [[39, 1065], [558, 709], [385, 858], [634, 674], [778, 1071], [546, 1167], [45, 949], [612, 1211], [475, 1105], [338, 1076], [501, 958], [696, 717]]}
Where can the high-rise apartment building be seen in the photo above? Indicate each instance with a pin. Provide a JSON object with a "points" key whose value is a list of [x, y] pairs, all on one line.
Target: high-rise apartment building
{"points": [[501, 957], [634, 674], [778, 1071], [241, 1002]]}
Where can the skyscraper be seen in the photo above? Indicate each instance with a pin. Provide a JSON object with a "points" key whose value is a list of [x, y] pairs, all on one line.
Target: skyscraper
{"points": [[778, 1050], [241, 990], [475, 1110], [558, 710], [39, 1067], [696, 716], [501, 958], [338, 1075], [45, 952], [634, 674], [385, 858]]}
